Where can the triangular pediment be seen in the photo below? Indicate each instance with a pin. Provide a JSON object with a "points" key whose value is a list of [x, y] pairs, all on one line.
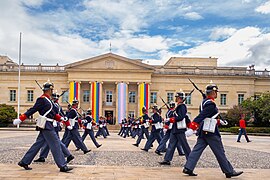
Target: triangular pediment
{"points": [[109, 61]]}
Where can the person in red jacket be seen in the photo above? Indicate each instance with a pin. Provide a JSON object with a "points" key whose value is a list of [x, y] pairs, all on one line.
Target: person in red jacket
{"points": [[242, 130]]}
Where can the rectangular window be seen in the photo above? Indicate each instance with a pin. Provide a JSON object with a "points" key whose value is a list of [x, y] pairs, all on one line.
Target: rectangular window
{"points": [[12, 95], [188, 98], [240, 98], [109, 98], [256, 97], [223, 99], [169, 97], [86, 95], [131, 114], [153, 97], [30, 95], [132, 97], [65, 97]]}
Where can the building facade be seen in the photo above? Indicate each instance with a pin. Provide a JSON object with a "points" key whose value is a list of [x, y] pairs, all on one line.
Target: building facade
{"points": [[116, 86]]}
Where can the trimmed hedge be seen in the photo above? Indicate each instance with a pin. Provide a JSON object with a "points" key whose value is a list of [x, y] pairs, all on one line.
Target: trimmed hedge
{"points": [[249, 130]]}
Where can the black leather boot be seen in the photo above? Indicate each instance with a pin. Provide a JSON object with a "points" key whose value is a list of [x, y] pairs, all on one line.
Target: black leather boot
{"points": [[25, 166], [189, 172], [40, 159], [65, 169], [233, 174]]}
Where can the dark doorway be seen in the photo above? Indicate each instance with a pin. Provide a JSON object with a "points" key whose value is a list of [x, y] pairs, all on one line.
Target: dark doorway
{"points": [[109, 116]]}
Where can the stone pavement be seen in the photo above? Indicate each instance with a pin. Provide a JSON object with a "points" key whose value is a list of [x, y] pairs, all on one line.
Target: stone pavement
{"points": [[118, 159]]}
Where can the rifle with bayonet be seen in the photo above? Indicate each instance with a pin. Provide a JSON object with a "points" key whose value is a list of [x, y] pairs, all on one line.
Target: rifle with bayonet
{"points": [[63, 92], [203, 95], [38, 85], [164, 103]]}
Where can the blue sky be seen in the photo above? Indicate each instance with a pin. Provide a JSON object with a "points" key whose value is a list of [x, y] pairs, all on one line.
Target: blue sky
{"points": [[63, 31]]}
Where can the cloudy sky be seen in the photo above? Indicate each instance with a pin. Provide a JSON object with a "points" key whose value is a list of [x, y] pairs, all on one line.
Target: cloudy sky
{"points": [[237, 32]]}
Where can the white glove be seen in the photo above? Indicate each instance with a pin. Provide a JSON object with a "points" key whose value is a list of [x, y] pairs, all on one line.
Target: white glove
{"points": [[189, 132], [223, 122], [69, 127], [16, 121], [63, 118], [167, 119]]}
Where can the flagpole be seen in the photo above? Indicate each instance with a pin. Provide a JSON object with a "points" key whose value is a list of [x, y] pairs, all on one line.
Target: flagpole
{"points": [[19, 79]]}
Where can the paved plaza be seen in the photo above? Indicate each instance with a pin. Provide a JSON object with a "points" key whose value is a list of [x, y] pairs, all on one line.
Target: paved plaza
{"points": [[118, 159]]}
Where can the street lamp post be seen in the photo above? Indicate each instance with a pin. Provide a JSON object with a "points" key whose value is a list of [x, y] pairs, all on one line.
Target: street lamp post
{"points": [[19, 78]]}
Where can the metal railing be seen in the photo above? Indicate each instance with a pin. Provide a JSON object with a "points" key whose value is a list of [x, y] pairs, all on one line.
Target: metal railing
{"points": [[32, 68], [227, 71]]}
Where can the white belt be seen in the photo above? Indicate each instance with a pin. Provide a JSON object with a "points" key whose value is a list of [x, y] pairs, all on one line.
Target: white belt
{"points": [[74, 120], [48, 119]]}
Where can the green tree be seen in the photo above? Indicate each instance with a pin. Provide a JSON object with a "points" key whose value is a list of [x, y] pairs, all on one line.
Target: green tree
{"points": [[260, 108], [7, 114], [234, 115]]}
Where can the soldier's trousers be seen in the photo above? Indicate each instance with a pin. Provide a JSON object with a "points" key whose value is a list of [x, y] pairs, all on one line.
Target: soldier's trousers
{"points": [[216, 146], [127, 132], [76, 137], [177, 140], [135, 132], [49, 137], [45, 149], [64, 139], [101, 131], [142, 132], [106, 130], [92, 136], [121, 130], [153, 136], [162, 145]]}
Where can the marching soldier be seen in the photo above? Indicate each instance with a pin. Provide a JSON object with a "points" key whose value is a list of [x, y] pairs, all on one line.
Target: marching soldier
{"points": [[47, 134], [208, 134], [101, 130], [88, 124], [74, 133], [136, 128], [105, 126], [128, 128], [45, 149], [180, 123], [155, 132], [122, 127], [144, 127], [167, 130]]}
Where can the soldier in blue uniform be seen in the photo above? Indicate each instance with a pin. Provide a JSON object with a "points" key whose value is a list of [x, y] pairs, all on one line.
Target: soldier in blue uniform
{"points": [[136, 128], [122, 124], [180, 123], [105, 126], [155, 132], [45, 149], [208, 135], [127, 132], [144, 127], [101, 130], [88, 124], [74, 133], [167, 130], [48, 113]]}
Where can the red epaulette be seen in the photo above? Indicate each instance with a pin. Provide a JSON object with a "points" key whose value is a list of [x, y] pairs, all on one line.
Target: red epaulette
{"points": [[42, 96]]}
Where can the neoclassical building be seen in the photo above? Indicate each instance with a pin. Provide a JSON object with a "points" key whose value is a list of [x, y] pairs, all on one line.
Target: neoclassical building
{"points": [[115, 86]]}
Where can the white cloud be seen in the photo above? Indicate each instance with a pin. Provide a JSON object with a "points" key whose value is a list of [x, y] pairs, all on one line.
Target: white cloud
{"points": [[242, 49], [221, 33], [193, 16], [264, 8]]}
